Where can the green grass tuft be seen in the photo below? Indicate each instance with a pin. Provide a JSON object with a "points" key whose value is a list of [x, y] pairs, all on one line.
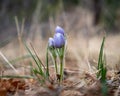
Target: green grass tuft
{"points": [[102, 70]]}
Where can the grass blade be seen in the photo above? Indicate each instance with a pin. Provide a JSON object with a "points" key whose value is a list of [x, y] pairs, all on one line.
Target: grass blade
{"points": [[37, 63], [102, 69], [47, 65], [12, 76], [100, 60], [8, 62]]}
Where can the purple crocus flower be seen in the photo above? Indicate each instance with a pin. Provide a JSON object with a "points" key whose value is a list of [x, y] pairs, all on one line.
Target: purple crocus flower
{"points": [[59, 40], [59, 30], [51, 42]]}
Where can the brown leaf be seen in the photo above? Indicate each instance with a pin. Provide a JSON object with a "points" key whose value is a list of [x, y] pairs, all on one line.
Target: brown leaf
{"points": [[3, 91]]}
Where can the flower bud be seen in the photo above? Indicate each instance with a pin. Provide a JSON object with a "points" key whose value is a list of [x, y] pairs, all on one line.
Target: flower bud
{"points": [[51, 42], [59, 30], [59, 40]]}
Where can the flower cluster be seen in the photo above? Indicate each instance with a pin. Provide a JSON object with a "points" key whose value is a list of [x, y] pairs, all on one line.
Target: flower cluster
{"points": [[58, 41], [56, 46]]}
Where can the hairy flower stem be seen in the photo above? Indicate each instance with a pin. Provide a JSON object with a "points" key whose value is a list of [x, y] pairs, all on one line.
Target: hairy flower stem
{"points": [[56, 68], [62, 64], [61, 69]]}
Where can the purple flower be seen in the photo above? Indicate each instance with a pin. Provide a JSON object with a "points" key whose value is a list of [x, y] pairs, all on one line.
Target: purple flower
{"points": [[59, 40], [51, 42], [59, 30]]}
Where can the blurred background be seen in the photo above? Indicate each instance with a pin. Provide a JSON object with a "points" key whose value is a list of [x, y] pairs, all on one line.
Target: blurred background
{"points": [[84, 21]]}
